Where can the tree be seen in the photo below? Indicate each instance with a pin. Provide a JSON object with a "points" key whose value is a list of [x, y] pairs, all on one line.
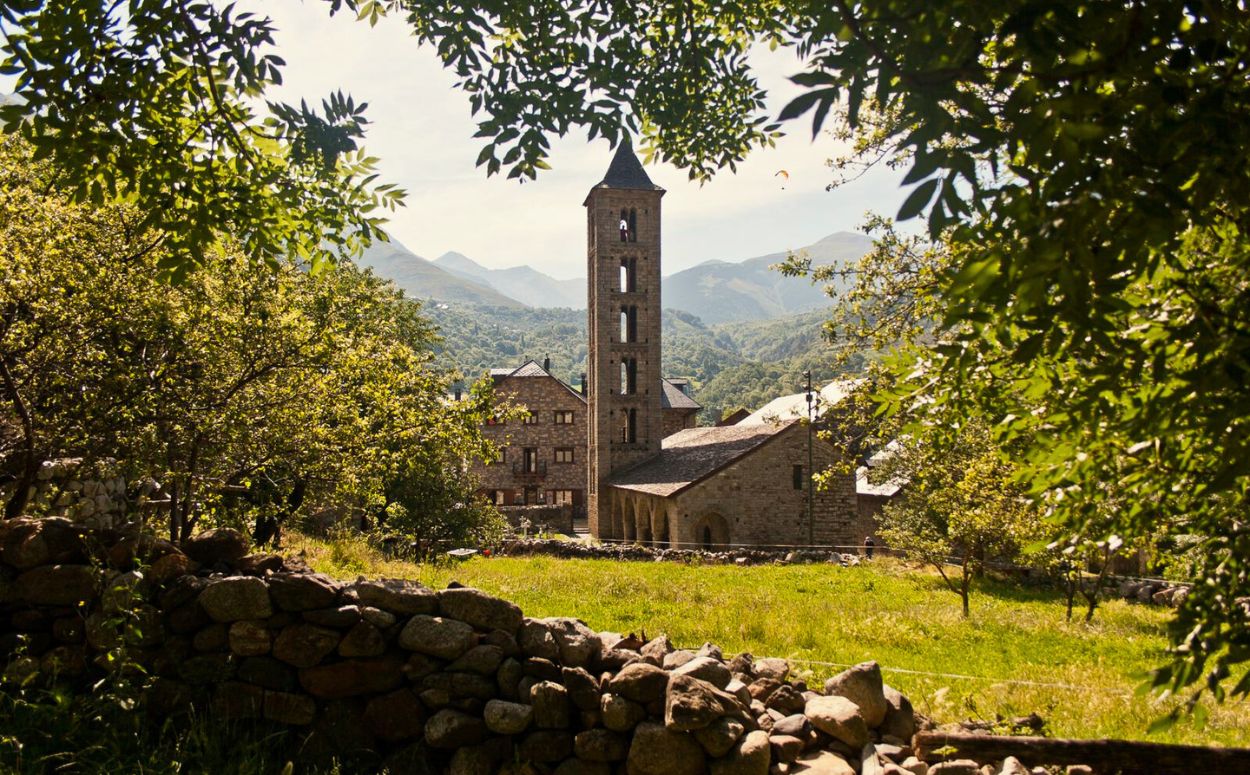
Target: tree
{"points": [[960, 507], [247, 394]]}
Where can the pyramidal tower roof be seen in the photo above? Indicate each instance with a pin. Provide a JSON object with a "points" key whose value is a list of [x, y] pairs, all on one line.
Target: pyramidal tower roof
{"points": [[626, 171]]}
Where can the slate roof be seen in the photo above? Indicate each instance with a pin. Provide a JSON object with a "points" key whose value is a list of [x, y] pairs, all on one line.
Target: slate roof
{"points": [[626, 171], [886, 489], [672, 397], [531, 368], [694, 454], [794, 406]]}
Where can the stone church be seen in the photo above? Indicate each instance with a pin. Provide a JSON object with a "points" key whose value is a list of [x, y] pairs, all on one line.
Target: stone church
{"points": [[698, 487]]}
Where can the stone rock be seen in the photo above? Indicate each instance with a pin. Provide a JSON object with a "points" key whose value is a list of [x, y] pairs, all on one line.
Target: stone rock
{"points": [[641, 682], [482, 659], [214, 637], [675, 659], [351, 678], [620, 714], [822, 763], [578, 644], [654, 650], [742, 665], [258, 564], [437, 636], [302, 591], [536, 640], [340, 617], [762, 688], [545, 746], [398, 596], [861, 685], [601, 745], [542, 669], [900, 718], [839, 718], [377, 617], [955, 767], [507, 718], [236, 700], [207, 669], [750, 756], [472, 760], [706, 669], [1078, 769], [612, 660], [269, 673], [396, 716], [27, 543], [1013, 766], [59, 585], [914, 766], [693, 704], [656, 750], [461, 685], [289, 708], [236, 597], [583, 690], [453, 729], [795, 725], [720, 736], [210, 547], [577, 766], [551, 705], [249, 638], [785, 748], [170, 567], [362, 640], [786, 700], [711, 650], [305, 645], [772, 667], [479, 609], [508, 678]]}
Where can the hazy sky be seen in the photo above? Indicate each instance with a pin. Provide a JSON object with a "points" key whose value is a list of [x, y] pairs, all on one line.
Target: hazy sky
{"points": [[422, 130]]}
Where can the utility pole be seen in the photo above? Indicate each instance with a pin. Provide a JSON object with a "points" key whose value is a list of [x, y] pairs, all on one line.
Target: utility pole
{"points": [[811, 522]]}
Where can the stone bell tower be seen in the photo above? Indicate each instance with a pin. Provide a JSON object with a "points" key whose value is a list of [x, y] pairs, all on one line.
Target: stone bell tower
{"points": [[623, 282]]}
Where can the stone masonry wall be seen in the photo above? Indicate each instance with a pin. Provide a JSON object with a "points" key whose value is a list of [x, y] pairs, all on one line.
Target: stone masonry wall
{"points": [[390, 673]]}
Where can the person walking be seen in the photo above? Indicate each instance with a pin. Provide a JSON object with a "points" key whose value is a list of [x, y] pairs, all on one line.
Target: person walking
{"points": [[869, 544]]}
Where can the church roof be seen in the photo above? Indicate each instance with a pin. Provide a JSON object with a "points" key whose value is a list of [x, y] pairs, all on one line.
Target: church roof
{"points": [[794, 406], [626, 171], [673, 397], [694, 454]]}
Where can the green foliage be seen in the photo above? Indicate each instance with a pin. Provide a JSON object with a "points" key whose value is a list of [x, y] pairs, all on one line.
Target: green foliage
{"points": [[249, 395], [162, 105]]}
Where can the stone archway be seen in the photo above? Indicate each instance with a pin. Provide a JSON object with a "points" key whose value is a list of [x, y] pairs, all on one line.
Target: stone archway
{"points": [[659, 524], [643, 520], [629, 517], [711, 532]]}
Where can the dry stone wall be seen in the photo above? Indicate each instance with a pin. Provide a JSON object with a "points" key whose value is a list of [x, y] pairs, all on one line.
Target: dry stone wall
{"points": [[388, 673]]}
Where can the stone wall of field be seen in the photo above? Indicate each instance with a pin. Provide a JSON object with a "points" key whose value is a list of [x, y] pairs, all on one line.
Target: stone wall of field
{"points": [[386, 672]]}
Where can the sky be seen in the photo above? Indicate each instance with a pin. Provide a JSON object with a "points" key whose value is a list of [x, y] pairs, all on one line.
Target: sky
{"points": [[422, 131]]}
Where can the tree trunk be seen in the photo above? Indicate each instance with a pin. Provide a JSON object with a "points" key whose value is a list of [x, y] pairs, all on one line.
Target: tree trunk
{"points": [[30, 463], [965, 585]]}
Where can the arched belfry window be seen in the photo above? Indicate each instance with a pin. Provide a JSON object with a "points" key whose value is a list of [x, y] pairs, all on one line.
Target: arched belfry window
{"points": [[629, 275], [633, 225], [629, 376], [629, 426], [629, 324], [624, 225]]}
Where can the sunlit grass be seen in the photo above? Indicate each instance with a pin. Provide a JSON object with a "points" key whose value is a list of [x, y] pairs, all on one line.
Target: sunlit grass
{"points": [[899, 616]]}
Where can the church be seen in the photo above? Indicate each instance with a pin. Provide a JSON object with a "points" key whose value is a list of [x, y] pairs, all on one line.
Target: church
{"points": [[709, 487]]}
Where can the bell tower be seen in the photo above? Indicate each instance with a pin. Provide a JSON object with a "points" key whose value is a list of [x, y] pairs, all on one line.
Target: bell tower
{"points": [[623, 285]]}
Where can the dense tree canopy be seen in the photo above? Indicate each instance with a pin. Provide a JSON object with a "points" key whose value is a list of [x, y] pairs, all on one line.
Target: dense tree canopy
{"points": [[248, 395]]}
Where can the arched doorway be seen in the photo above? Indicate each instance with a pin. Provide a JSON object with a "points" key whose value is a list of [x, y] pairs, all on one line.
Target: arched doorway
{"points": [[711, 532]]}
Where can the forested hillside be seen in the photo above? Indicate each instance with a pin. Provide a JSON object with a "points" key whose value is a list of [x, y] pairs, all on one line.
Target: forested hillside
{"points": [[731, 365]]}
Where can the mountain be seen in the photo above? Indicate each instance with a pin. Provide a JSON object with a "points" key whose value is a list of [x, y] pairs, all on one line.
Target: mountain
{"points": [[720, 291], [523, 283], [421, 279]]}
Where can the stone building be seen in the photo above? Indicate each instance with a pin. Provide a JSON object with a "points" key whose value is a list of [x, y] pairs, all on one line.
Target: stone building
{"points": [[731, 485], [543, 457]]}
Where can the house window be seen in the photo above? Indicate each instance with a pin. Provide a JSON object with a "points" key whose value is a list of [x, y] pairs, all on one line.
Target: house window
{"points": [[629, 426], [531, 460], [562, 497], [629, 376], [564, 454], [797, 476], [564, 417], [500, 455], [629, 324], [628, 275], [531, 418], [501, 497], [633, 225]]}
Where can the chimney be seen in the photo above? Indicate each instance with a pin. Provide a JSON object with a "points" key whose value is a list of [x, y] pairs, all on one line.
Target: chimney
{"points": [[583, 383], [546, 363]]}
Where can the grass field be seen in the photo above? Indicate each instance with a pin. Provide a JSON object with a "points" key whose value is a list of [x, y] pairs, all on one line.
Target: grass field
{"points": [[1015, 655]]}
